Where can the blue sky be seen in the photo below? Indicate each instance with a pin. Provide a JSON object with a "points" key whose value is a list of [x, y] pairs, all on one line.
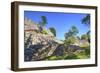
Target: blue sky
{"points": [[62, 22]]}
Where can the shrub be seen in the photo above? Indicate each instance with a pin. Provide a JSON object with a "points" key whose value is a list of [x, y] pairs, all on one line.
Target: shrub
{"points": [[44, 32], [86, 53]]}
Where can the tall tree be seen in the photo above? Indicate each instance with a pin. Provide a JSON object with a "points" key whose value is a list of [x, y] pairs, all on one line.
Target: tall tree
{"points": [[86, 20], [70, 36], [52, 29], [44, 20], [42, 23], [72, 32]]}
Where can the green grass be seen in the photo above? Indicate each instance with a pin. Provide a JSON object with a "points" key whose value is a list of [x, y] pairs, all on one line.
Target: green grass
{"points": [[71, 57], [82, 55]]}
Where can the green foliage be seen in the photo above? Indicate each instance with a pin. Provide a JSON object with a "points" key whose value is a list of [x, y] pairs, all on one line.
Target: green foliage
{"points": [[87, 50], [52, 29], [72, 57], [44, 20], [57, 57], [52, 58], [84, 36], [86, 20], [81, 55], [44, 32], [72, 32], [78, 37], [70, 40]]}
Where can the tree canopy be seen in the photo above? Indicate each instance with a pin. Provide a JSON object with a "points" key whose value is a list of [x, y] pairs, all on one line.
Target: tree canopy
{"points": [[86, 20], [44, 20], [52, 29], [72, 32]]}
